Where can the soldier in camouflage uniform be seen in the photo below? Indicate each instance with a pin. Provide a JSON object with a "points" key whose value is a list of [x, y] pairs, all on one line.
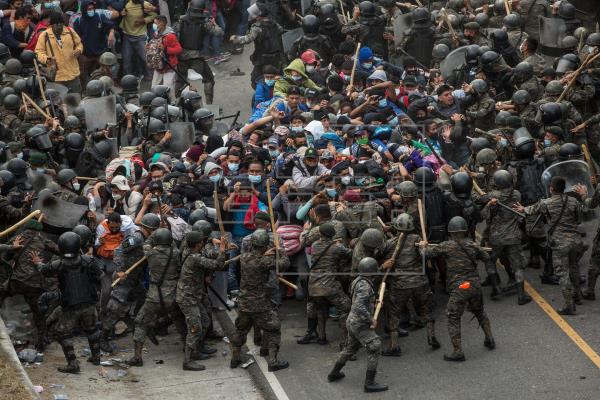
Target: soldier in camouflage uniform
{"points": [[253, 305], [524, 78], [481, 113], [191, 290], [163, 263], [10, 117], [463, 282], [563, 213], [407, 282], [131, 288], [594, 267], [359, 325], [79, 283], [25, 279], [370, 244], [505, 234], [69, 186]]}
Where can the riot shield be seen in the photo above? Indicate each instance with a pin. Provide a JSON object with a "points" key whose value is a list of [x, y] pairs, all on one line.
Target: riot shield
{"points": [[59, 213], [402, 23], [61, 89], [114, 145], [182, 137], [587, 11], [219, 128], [574, 172], [289, 37], [305, 5], [216, 110], [100, 112], [454, 60], [552, 32]]}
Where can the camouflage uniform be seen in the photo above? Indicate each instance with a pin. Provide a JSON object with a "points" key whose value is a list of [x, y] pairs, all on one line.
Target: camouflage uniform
{"points": [[163, 263], [565, 240], [9, 214], [516, 37], [149, 148], [191, 292], [482, 113], [594, 267], [534, 87], [537, 61], [361, 251], [462, 269], [358, 324], [253, 304], [67, 195]]}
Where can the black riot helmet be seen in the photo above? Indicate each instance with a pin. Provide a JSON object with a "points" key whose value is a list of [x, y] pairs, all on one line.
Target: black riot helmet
{"points": [[499, 8], [489, 59], [8, 181], [440, 51], [11, 102], [462, 185], [421, 16], [593, 40], [328, 16], [203, 119], [478, 144], [568, 62], [196, 8], [94, 88], [367, 266], [472, 55], [156, 126], [310, 25], [85, 235], [103, 148], [4, 53], [457, 224], [523, 71], [566, 10], [65, 176], [5, 91], [18, 168], [512, 21], [19, 86], [479, 86], [39, 138], [162, 236], [197, 215], [502, 179], [129, 84], [146, 98], [5, 153], [569, 151], [13, 66], [75, 142], [521, 98], [72, 122], [524, 145], [150, 221], [367, 9], [69, 244], [482, 19], [202, 226], [499, 38], [569, 43], [190, 100], [424, 176], [552, 113], [27, 57], [161, 91], [502, 118]]}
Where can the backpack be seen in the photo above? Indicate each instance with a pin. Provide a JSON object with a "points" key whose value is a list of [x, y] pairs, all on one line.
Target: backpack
{"points": [[155, 54]]}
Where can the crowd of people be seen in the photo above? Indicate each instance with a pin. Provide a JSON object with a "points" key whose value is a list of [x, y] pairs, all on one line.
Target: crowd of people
{"points": [[387, 142]]}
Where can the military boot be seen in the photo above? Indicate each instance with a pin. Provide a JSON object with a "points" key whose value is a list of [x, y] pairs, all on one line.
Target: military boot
{"points": [[522, 297], [489, 341], [370, 385], [236, 358], [321, 326], [257, 336], [457, 354], [590, 292], [94, 342], [136, 360], [311, 333], [393, 349], [206, 349], [72, 366], [189, 364], [548, 277], [495, 283], [105, 345], [431, 339], [569, 308], [336, 373], [273, 363]]}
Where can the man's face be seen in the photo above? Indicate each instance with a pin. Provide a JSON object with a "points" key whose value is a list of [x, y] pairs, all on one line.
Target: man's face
{"points": [[311, 161], [233, 159], [299, 142], [255, 169], [293, 100], [446, 98], [549, 136], [114, 227], [17, 4], [157, 174], [253, 139], [432, 129], [470, 33], [214, 171]]}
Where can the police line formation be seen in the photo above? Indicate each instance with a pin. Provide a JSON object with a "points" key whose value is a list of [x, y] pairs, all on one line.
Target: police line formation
{"points": [[381, 135]]}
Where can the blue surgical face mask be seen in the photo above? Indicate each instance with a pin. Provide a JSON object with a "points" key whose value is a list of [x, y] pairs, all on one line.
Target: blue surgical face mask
{"points": [[393, 121], [255, 178], [503, 142], [270, 82], [547, 143], [382, 103], [331, 192], [233, 166], [90, 13], [155, 27], [297, 128], [215, 178], [274, 153], [297, 77], [367, 65]]}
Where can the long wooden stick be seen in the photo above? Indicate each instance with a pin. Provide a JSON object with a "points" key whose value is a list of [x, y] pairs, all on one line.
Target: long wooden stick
{"points": [[383, 282], [34, 105], [22, 222], [590, 163], [134, 266], [354, 65], [588, 60], [343, 12], [39, 79], [218, 212], [507, 7], [271, 216], [422, 218]]}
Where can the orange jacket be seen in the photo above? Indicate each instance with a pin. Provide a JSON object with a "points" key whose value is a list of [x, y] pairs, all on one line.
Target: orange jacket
{"points": [[111, 242]]}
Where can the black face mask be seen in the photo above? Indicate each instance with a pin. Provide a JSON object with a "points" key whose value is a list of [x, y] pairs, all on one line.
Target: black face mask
{"points": [[57, 29]]}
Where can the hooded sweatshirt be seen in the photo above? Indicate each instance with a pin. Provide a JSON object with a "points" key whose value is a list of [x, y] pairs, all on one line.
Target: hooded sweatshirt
{"points": [[92, 30], [285, 82]]}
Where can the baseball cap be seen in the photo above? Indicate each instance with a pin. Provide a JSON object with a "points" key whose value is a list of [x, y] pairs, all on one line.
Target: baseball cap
{"points": [[311, 153], [120, 182]]}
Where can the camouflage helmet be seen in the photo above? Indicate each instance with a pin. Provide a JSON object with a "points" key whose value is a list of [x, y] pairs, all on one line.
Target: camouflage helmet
{"points": [[457, 224], [440, 51], [404, 223], [72, 122], [554, 88], [501, 118], [593, 40], [512, 21], [368, 265], [372, 238], [407, 189], [194, 237], [482, 19], [502, 179], [485, 157], [162, 236], [94, 88], [521, 97], [107, 58], [13, 66], [202, 226], [259, 238], [569, 42], [150, 221]]}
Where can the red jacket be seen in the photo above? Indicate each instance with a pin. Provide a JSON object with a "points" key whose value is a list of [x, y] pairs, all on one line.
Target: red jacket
{"points": [[172, 48]]}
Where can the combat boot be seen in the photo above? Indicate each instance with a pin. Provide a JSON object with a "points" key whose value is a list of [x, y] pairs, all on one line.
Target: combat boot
{"points": [[72, 366], [189, 364], [548, 277], [236, 359], [257, 336], [311, 333], [522, 297], [370, 385], [495, 283], [150, 334], [206, 349], [105, 345], [94, 342], [275, 364], [393, 349], [336, 373], [589, 293], [569, 308], [489, 341], [136, 360], [431, 339], [457, 354]]}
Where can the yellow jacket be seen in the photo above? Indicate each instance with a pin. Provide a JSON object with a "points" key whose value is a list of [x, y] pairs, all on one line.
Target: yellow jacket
{"points": [[68, 66]]}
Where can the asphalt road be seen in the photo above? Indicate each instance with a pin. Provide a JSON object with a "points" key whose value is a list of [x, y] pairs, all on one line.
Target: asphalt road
{"points": [[534, 358]]}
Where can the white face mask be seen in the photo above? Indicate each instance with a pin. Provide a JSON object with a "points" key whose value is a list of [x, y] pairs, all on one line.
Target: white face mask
{"points": [[116, 197], [76, 186], [310, 69]]}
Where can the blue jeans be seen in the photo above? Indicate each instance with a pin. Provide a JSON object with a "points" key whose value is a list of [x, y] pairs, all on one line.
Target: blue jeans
{"points": [[134, 55], [212, 40], [242, 27]]}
